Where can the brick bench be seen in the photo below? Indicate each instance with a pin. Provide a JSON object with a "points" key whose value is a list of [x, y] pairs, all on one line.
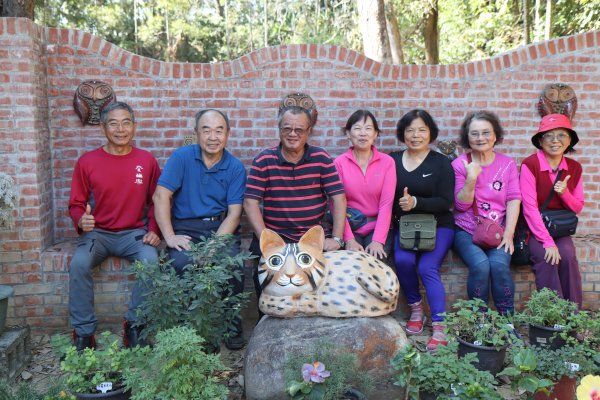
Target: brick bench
{"points": [[112, 283]]}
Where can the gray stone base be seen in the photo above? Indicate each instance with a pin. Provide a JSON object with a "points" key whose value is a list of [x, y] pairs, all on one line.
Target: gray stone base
{"points": [[373, 340], [15, 351]]}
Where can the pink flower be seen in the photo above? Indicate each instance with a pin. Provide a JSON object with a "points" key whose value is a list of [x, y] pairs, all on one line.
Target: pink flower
{"points": [[314, 372]]}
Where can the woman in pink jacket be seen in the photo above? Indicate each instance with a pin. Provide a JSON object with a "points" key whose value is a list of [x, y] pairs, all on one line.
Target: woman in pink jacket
{"points": [[369, 181], [554, 259]]}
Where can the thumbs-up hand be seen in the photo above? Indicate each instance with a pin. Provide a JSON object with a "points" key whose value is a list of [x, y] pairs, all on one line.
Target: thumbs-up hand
{"points": [[87, 222], [560, 187], [473, 169], [406, 202]]}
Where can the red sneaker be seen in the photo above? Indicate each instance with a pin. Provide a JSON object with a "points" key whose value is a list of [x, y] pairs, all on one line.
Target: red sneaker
{"points": [[415, 327]]}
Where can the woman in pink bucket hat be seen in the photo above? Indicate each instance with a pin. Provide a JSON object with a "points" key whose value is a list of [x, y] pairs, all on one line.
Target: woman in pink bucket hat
{"points": [[544, 173]]}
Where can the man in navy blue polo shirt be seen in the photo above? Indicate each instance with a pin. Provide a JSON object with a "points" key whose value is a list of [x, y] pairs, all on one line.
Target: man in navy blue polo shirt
{"points": [[200, 192]]}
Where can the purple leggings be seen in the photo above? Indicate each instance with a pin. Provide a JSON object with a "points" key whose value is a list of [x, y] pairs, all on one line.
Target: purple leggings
{"points": [[410, 265], [564, 278]]}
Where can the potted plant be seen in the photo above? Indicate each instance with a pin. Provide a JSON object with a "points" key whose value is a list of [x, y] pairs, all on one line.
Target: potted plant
{"points": [[442, 376], [200, 298], [325, 373], [548, 317], [544, 373], [95, 374], [176, 368], [8, 196], [482, 331]]}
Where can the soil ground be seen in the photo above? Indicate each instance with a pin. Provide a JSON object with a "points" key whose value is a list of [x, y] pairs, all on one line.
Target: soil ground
{"points": [[44, 367]]}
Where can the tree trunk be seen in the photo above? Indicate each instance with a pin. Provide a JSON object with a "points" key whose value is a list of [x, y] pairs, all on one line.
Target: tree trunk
{"points": [[430, 34], [393, 31], [17, 8], [536, 23], [374, 30], [526, 24], [549, 10]]}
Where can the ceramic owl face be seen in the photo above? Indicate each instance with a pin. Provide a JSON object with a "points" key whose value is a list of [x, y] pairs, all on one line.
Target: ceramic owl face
{"points": [[447, 148], [90, 99], [558, 98], [301, 100]]}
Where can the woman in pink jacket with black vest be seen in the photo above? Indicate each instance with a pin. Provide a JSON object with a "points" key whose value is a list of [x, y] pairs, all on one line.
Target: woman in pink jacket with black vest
{"points": [[548, 177]]}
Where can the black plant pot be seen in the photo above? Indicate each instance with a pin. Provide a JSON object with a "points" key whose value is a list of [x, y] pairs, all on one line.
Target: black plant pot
{"points": [[427, 395], [354, 394], [490, 359], [119, 394], [545, 336]]}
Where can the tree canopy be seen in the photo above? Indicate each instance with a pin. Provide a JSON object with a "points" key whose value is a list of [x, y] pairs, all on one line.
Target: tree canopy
{"points": [[217, 30]]}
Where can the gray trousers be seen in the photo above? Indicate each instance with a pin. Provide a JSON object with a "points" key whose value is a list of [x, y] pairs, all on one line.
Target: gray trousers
{"points": [[93, 248]]}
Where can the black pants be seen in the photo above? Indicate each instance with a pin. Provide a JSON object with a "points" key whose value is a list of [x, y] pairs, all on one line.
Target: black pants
{"points": [[197, 228]]}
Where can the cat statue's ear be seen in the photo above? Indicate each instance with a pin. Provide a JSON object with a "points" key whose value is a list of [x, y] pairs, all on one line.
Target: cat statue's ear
{"points": [[270, 239], [314, 237]]}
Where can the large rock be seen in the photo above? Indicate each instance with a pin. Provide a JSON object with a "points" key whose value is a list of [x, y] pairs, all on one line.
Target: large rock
{"points": [[373, 340]]}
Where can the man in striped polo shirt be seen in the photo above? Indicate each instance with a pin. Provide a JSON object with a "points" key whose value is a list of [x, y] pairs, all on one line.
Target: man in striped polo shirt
{"points": [[294, 182]]}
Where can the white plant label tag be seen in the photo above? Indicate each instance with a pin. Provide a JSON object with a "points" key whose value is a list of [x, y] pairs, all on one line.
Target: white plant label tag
{"points": [[573, 367], [541, 340], [559, 327], [104, 387], [478, 343], [454, 389]]}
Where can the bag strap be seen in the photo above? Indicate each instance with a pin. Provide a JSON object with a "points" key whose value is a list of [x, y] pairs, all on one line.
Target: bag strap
{"points": [[551, 192], [417, 239], [475, 211]]}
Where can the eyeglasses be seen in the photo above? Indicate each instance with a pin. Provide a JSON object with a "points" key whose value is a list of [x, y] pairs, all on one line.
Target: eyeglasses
{"points": [[127, 124], [366, 129], [561, 137], [484, 134], [297, 131]]}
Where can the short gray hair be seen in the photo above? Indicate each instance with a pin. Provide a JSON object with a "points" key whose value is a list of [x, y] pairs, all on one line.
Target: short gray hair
{"points": [[295, 110], [117, 105]]}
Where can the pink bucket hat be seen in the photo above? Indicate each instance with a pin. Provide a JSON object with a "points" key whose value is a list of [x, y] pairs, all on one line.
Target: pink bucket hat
{"points": [[554, 121]]}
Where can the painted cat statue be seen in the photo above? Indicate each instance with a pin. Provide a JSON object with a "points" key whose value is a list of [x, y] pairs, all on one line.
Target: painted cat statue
{"points": [[298, 279]]}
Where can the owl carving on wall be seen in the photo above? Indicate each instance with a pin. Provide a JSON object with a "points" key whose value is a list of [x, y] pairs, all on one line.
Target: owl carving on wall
{"points": [[448, 148], [558, 98], [90, 99], [301, 100]]}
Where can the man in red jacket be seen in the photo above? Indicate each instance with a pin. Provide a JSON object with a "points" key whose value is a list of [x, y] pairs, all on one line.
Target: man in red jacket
{"points": [[112, 210]]}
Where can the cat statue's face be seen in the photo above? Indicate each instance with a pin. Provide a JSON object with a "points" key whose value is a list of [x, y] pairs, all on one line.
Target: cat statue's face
{"points": [[294, 268]]}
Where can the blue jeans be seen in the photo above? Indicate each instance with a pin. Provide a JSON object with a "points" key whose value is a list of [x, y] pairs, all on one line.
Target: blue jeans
{"points": [[485, 266]]}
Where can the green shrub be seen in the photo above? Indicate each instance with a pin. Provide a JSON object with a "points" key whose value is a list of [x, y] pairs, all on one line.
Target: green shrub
{"points": [[200, 298], [88, 368], [442, 374], [475, 323], [342, 364], [175, 369]]}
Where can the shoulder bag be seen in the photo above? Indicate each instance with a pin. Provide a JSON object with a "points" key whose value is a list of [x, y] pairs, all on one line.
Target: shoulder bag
{"points": [[521, 255], [488, 233], [417, 232], [561, 222]]}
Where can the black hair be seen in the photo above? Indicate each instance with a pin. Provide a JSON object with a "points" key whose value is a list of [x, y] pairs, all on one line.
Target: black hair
{"points": [[295, 110], [360, 115], [410, 116]]}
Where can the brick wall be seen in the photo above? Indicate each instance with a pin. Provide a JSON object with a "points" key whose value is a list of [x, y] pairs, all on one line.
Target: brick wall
{"points": [[41, 137]]}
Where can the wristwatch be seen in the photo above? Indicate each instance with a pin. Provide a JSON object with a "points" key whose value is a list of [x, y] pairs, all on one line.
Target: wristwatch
{"points": [[339, 241]]}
